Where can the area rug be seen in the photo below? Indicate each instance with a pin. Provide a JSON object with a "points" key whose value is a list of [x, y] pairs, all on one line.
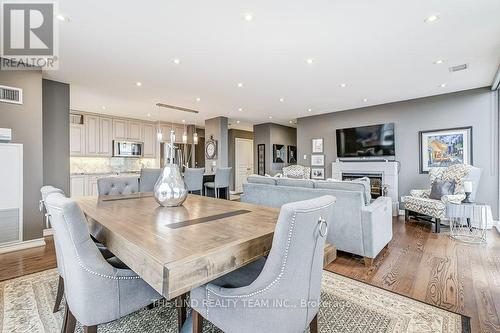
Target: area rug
{"points": [[347, 306]]}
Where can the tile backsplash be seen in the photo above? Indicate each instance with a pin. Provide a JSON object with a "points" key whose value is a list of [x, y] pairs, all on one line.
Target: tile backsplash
{"points": [[109, 164]]}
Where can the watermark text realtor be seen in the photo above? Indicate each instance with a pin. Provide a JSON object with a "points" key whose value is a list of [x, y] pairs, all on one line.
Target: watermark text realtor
{"points": [[29, 36]]}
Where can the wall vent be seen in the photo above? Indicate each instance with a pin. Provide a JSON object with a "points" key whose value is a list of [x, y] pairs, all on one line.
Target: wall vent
{"points": [[11, 95], [458, 68]]}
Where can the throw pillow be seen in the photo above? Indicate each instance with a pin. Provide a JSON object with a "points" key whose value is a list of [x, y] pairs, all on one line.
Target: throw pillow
{"points": [[442, 187]]}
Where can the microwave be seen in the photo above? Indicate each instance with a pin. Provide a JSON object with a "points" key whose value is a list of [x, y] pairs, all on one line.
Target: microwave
{"points": [[127, 149]]}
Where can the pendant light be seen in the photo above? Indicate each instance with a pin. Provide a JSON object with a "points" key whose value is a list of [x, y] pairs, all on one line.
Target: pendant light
{"points": [[195, 134], [159, 131], [184, 135]]}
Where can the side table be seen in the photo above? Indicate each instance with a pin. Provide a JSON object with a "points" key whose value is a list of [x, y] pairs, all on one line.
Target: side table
{"points": [[468, 221]]}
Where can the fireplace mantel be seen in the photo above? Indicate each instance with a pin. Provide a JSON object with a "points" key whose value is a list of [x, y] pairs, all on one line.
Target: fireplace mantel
{"points": [[389, 171]]}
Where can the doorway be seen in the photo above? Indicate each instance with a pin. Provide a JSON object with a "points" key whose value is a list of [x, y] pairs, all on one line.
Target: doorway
{"points": [[243, 161]]}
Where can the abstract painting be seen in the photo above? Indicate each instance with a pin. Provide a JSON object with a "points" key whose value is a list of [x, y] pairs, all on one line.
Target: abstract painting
{"points": [[279, 153], [442, 148], [292, 154]]}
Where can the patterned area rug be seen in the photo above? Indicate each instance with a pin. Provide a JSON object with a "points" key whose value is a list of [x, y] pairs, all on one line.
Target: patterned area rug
{"points": [[347, 306]]}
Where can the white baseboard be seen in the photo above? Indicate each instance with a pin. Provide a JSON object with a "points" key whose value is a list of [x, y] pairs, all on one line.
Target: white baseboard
{"points": [[48, 232], [22, 245]]}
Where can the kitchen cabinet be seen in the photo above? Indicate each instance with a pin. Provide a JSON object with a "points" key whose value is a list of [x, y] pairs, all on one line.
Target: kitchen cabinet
{"points": [[77, 185], [134, 130], [148, 137], [120, 129], [178, 131], [91, 135], [92, 186], [105, 136], [76, 140]]}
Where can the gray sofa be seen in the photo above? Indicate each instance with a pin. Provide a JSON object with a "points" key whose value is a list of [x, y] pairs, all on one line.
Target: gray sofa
{"points": [[360, 225]]}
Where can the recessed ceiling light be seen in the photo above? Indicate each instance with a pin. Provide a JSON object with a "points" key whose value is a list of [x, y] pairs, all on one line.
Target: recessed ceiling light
{"points": [[282, 99], [62, 18], [365, 100], [198, 99], [342, 85], [240, 84], [442, 85], [248, 17], [432, 18], [237, 121], [103, 107], [310, 110], [240, 109], [149, 115], [310, 61], [177, 61], [270, 117], [139, 84], [438, 62], [183, 120], [291, 121]]}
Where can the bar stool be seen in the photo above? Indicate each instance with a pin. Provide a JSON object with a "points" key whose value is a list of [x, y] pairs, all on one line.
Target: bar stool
{"points": [[222, 180], [193, 178]]}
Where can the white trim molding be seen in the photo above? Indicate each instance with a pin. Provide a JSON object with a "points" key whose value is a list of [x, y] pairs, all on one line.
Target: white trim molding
{"points": [[22, 245]]}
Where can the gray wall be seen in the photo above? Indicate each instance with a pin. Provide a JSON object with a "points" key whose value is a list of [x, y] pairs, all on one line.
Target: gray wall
{"points": [[232, 135], [55, 116], [477, 108], [270, 134], [26, 123], [218, 127]]}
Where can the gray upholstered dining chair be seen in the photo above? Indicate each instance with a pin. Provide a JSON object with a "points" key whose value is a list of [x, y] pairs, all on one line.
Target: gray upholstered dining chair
{"points": [[45, 191], [96, 292], [286, 285], [148, 179], [117, 185], [222, 181], [193, 178]]}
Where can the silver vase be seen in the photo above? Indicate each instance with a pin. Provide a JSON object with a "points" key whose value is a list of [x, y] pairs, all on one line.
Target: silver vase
{"points": [[170, 189]]}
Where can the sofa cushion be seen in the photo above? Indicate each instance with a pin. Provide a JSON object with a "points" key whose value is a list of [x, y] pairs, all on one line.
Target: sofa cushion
{"points": [[368, 187], [295, 182], [257, 179], [344, 185]]}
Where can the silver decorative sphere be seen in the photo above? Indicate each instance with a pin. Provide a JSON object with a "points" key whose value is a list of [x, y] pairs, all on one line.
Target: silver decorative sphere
{"points": [[170, 189]]}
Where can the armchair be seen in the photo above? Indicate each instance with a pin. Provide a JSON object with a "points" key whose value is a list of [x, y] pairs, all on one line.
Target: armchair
{"points": [[420, 203], [297, 171]]}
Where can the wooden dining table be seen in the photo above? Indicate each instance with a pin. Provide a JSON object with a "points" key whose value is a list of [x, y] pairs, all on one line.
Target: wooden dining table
{"points": [[176, 249]]}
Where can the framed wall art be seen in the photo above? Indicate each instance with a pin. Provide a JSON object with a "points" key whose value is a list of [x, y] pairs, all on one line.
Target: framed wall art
{"points": [[279, 153], [445, 147], [261, 159], [317, 160], [318, 173], [292, 154], [317, 145]]}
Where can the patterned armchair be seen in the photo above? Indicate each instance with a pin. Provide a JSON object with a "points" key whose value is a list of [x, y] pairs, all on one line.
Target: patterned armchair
{"points": [[297, 171], [419, 203]]}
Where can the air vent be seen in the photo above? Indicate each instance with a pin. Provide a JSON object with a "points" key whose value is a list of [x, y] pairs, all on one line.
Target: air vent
{"points": [[458, 68], [11, 95]]}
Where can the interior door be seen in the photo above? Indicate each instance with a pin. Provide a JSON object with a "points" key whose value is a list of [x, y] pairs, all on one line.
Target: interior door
{"points": [[243, 152]]}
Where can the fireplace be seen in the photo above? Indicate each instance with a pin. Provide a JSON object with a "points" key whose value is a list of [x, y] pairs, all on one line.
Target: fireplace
{"points": [[376, 183]]}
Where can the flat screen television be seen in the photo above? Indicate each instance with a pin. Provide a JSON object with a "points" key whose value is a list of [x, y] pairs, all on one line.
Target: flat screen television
{"points": [[375, 141]]}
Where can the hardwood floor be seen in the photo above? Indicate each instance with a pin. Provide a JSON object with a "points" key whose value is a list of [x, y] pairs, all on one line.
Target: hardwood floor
{"points": [[15, 264], [437, 270], [418, 263]]}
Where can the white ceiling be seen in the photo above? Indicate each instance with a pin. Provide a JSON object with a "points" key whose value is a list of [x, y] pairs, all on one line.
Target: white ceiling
{"points": [[382, 50]]}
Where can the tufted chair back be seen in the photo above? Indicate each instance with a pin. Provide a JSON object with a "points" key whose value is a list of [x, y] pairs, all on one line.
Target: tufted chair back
{"points": [[117, 185], [148, 179], [222, 177], [297, 171]]}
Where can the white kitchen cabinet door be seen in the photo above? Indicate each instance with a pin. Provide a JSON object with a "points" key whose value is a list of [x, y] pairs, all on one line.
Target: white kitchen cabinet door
{"points": [[134, 130], [76, 140], [105, 136], [77, 186], [120, 129], [149, 140], [92, 186], [91, 135]]}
